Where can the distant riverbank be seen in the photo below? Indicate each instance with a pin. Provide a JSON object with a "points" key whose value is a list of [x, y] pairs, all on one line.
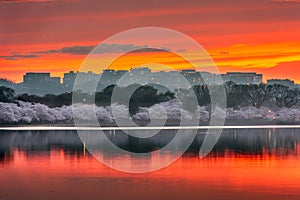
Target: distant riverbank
{"points": [[254, 122]]}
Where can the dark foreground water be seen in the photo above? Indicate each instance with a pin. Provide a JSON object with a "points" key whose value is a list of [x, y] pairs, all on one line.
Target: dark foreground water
{"points": [[245, 164]]}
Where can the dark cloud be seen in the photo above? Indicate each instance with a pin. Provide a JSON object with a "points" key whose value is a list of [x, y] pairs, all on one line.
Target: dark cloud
{"points": [[130, 48], [84, 50], [16, 56], [51, 51], [73, 50], [147, 50], [77, 50]]}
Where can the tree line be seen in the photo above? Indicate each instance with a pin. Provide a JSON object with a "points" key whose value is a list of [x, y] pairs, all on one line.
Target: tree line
{"points": [[254, 95], [143, 96], [146, 96]]}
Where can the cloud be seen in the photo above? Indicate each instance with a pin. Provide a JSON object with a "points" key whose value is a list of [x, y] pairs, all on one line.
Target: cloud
{"points": [[103, 48], [73, 50], [77, 50], [16, 56], [117, 48], [51, 51], [84, 50]]}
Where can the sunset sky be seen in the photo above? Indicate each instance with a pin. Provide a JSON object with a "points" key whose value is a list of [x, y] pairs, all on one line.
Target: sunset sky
{"points": [[240, 35]]}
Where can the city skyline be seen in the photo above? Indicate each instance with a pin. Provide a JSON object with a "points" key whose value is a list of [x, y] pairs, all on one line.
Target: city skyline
{"points": [[61, 79], [264, 79], [45, 83]]}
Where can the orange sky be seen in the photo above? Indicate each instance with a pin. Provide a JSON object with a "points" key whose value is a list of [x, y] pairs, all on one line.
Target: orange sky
{"points": [[261, 36]]}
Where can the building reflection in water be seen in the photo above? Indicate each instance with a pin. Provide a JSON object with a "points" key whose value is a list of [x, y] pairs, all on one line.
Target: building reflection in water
{"points": [[262, 163]]}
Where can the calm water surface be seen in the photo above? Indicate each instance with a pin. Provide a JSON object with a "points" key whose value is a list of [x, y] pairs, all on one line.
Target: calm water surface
{"points": [[245, 164]]}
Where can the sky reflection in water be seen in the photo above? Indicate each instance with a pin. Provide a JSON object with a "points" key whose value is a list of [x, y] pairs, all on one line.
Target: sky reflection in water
{"points": [[262, 164]]}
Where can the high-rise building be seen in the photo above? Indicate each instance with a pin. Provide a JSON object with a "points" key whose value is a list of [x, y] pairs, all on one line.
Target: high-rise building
{"points": [[243, 78], [40, 84], [193, 77], [285, 82], [43, 83], [68, 80]]}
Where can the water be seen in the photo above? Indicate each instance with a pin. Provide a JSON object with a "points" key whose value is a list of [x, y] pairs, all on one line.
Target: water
{"points": [[245, 164]]}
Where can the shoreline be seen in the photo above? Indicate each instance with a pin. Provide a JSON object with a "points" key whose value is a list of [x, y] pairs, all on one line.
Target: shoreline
{"points": [[143, 123]]}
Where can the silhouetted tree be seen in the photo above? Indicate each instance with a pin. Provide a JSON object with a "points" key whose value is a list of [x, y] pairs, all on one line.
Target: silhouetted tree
{"points": [[284, 96], [146, 96], [257, 94], [103, 98], [6, 94], [7, 83], [236, 94], [29, 98], [202, 94]]}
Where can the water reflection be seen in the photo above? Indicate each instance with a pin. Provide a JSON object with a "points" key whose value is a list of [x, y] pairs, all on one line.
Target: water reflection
{"points": [[261, 164], [279, 142]]}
